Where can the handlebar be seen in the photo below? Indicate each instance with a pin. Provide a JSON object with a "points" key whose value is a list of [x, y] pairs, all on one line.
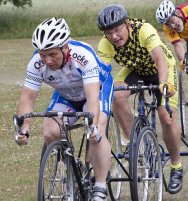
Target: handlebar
{"points": [[137, 88], [19, 120], [140, 87]]}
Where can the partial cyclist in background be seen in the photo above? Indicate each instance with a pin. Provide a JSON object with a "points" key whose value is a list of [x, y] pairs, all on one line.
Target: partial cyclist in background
{"points": [[82, 82], [175, 25], [135, 45]]}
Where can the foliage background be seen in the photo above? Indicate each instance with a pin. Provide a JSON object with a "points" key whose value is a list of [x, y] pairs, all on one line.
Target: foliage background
{"points": [[81, 15]]}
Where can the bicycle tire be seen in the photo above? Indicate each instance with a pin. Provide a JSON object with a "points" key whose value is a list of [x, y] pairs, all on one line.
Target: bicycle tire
{"points": [[182, 106], [114, 136], [147, 168], [137, 125], [55, 175]]}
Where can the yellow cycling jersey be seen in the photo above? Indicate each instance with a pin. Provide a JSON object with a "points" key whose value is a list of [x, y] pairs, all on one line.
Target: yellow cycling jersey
{"points": [[135, 55], [171, 34]]}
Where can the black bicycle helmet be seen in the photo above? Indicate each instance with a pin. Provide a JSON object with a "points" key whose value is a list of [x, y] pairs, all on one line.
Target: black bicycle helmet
{"points": [[111, 16]]}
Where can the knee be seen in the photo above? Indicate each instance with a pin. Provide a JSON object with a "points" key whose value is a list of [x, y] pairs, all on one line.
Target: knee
{"points": [[51, 131], [120, 98], [167, 121]]}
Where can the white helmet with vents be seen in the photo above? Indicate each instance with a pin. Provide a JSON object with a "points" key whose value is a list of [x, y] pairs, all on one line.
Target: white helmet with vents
{"points": [[51, 33], [165, 11]]}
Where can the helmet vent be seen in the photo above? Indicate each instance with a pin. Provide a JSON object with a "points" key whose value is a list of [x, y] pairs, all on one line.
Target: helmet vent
{"points": [[49, 22], [112, 16], [63, 35], [51, 32], [48, 46], [55, 36], [42, 36], [58, 22], [37, 33]]}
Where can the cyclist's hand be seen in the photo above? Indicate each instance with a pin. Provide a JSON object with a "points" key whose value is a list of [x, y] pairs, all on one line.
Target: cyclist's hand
{"points": [[22, 137], [94, 134], [170, 88], [181, 65]]}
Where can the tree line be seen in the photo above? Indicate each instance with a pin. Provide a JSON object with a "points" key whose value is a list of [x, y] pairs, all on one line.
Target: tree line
{"points": [[17, 3]]}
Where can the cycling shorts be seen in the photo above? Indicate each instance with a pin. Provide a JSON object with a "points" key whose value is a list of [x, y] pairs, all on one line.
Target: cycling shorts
{"points": [[59, 103]]}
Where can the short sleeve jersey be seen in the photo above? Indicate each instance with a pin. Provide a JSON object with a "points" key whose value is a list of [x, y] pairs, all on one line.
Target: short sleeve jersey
{"points": [[83, 67], [171, 34], [135, 55]]}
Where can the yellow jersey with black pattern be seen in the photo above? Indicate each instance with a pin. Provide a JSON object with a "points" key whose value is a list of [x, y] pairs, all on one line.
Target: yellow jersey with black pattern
{"points": [[171, 34], [135, 55]]}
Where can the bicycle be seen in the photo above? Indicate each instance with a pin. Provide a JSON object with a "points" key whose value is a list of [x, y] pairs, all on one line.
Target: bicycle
{"points": [[145, 163], [62, 174], [183, 101]]}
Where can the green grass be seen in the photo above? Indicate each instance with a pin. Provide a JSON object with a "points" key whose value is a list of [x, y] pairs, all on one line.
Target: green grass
{"points": [[19, 165], [80, 15]]}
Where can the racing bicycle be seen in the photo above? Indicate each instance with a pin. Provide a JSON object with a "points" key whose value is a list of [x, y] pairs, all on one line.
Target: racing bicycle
{"points": [[64, 174]]}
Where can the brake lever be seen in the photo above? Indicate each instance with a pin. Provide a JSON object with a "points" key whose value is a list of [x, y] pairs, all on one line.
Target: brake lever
{"points": [[166, 98]]}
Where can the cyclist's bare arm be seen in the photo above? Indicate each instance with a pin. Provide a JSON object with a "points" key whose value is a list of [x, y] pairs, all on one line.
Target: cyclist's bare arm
{"points": [[26, 104], [93, 105], [179, 50], [92, 96], [158, 56]]}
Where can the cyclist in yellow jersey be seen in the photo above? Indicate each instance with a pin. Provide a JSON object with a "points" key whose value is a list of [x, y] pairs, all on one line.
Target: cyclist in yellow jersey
{"points": [[175, 25], [135, 45]]}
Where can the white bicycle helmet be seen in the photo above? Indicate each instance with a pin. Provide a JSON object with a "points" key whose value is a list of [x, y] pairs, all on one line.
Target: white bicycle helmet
{"points": [[51, 33], [165, 11]]}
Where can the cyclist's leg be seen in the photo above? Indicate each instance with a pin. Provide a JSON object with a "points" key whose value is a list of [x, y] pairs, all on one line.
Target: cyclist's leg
{"points": [[172, 138], [121, 106], [50, 127], [100, 153], [170, 127]]}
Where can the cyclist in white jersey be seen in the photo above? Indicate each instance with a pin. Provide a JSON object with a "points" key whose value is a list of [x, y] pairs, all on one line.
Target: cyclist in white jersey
{"points": [[82, 82]]}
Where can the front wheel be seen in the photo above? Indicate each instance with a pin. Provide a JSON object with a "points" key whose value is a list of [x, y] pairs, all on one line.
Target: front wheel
{"points": [[137, 125], [55, 175], [182, 106], [114, 137], [147, 168]]}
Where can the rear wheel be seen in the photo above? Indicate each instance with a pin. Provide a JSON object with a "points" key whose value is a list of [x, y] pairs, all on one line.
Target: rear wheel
{"points": [[56, 180], [114, 136], [147, 168]]}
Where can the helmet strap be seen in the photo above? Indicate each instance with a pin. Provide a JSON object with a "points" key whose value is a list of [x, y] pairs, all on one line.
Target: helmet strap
{"points": [[65, 58]]}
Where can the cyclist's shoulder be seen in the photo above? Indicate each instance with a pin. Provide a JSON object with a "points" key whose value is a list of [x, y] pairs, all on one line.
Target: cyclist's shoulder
{"points": [[81, 53], [80, 46], [105, 47], [141, 27]]}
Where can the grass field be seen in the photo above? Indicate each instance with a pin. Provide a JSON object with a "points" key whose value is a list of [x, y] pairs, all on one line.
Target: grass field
{"points": [[17, 23], [19, 165]]}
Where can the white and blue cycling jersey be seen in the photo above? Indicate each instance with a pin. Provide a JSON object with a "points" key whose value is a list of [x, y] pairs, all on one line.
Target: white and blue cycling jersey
{"points": [[83, 67]]}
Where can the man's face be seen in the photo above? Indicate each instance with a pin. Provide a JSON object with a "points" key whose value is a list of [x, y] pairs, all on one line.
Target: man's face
{"points": [[52, 58], [118, 36], [175, 23]]}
